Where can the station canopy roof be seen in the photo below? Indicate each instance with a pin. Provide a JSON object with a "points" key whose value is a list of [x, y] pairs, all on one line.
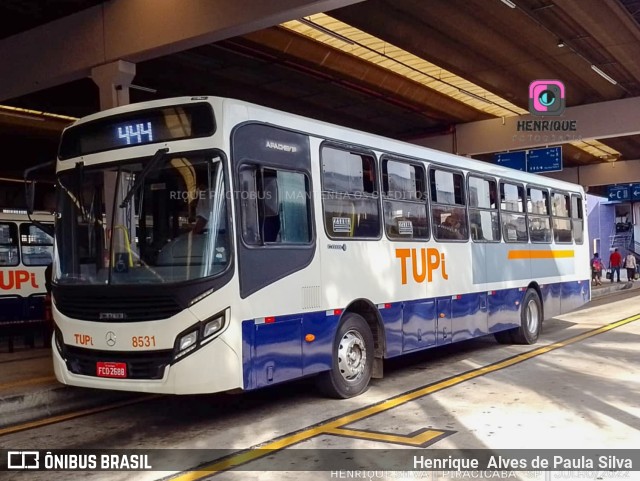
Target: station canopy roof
{"points": [[406, 69]]}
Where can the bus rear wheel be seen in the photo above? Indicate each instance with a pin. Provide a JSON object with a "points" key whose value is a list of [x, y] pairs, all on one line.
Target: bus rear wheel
{"points": [[352, 359], [530, 319], [530, 322]]}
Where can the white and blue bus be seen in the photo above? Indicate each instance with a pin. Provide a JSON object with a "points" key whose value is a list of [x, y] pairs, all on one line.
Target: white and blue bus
{"points": [[25, 253], [207, 244]]}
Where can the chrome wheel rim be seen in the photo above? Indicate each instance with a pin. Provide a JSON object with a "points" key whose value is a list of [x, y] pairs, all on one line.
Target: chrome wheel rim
{"points": [[352, 356], [532, 316]]}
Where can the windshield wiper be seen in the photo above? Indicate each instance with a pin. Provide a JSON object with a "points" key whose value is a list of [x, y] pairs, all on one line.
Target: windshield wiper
{"points": [[155, 160]]}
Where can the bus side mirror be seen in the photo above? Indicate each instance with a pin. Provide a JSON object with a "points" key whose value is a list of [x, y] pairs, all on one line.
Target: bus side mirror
{"points": [[30, 192], [30, 184], [30, 195]]}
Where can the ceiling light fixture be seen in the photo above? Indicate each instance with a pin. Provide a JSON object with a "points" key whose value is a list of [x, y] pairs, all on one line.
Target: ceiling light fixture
{"points": [[603, 75], [322, 29], [475, 96], [560, 44], [32, 114], [367, 48], [509, 3], [144, 89], [22, 116]]}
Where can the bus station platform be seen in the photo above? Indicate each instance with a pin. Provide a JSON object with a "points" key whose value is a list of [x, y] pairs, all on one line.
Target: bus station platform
{"points": [[29, 390]]}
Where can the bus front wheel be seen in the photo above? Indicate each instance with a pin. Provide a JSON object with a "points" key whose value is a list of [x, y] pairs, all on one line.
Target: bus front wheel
{"points": [[352, 359]]}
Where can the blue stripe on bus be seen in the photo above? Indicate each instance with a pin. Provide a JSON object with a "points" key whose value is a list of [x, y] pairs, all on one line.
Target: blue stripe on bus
{"points": [[277, 351]]}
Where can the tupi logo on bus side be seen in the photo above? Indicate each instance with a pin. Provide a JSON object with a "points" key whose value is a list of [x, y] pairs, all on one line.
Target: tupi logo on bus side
{"points": [[14, 279], [424, 262]]}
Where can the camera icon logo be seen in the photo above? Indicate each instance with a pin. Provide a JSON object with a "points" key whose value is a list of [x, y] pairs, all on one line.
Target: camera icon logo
{"points": [[23, 459], [546, 97]]}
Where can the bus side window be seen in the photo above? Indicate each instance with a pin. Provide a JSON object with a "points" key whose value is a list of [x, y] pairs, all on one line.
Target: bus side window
{"points": [[560, 209], [483, 210], [9, 244], [577, 220], [448, 210], [349, 183], [538, 215], [405, 208], [514, 224], [275, 206]]}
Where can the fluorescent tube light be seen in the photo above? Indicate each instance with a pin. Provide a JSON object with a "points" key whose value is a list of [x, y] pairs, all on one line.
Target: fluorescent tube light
{"points": [[144, 89], [475, 96], [331, 33], [603, 75], [509, 3]]}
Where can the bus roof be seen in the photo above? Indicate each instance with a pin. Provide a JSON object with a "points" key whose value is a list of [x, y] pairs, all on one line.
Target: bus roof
{"points": [[325, 130]]}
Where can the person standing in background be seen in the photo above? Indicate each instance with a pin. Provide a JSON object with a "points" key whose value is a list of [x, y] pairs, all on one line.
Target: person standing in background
{"points": [[615, 262], [630, 265], [596, 270]]}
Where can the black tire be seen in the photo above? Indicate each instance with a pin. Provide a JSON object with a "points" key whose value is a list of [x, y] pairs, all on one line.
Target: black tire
{"points": [[530, 319], [504, 337], [352, 359]]}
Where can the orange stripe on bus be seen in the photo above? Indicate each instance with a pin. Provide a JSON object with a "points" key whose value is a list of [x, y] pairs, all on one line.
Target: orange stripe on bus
{"points": [[532, 254]]}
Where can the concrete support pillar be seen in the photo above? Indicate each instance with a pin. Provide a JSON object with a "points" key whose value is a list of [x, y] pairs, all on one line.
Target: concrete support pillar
{"points": [[113, 79]]}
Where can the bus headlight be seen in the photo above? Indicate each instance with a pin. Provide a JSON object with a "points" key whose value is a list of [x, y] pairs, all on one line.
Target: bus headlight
{"points": [[198, 334], [187, 341], [211, 327]]}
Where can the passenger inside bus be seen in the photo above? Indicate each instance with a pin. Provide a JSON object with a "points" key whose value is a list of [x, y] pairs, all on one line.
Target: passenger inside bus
{"points": [[271, 220], [451, 226], [202, 210]]}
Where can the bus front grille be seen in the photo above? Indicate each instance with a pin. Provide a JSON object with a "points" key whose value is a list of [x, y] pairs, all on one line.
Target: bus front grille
{"points": [[116, 309]]}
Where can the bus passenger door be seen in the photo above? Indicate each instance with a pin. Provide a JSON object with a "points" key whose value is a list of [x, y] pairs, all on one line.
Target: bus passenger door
{"points": [[443, 310]]}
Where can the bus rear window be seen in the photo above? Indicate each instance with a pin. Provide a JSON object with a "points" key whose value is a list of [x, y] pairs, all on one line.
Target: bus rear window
{"points": [[9, 244], [37, 246]]}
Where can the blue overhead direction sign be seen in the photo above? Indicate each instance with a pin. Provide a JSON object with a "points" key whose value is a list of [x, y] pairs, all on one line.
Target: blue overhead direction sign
{"points": [[544, 160], [635, 191], [514, 160], [619, 193]]}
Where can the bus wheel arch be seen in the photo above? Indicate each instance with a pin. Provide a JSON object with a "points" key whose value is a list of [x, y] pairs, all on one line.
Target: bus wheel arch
{"points": [[531, 316], [371, 315], [357, 347], [534, 285]]}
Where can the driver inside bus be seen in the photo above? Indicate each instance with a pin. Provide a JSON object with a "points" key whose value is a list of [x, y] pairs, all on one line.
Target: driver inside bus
{"points": [[202, 210]]}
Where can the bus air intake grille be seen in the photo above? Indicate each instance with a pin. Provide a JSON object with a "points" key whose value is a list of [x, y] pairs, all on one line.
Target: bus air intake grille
{"points": [[140, 365], [117, 309]]}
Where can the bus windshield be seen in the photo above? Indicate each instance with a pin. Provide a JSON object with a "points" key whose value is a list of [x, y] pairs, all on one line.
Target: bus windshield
{"points": [[156, 220]]}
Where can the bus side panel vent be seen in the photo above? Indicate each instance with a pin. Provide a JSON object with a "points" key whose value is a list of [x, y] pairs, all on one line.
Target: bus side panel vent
{"points": [[311, 297]]}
